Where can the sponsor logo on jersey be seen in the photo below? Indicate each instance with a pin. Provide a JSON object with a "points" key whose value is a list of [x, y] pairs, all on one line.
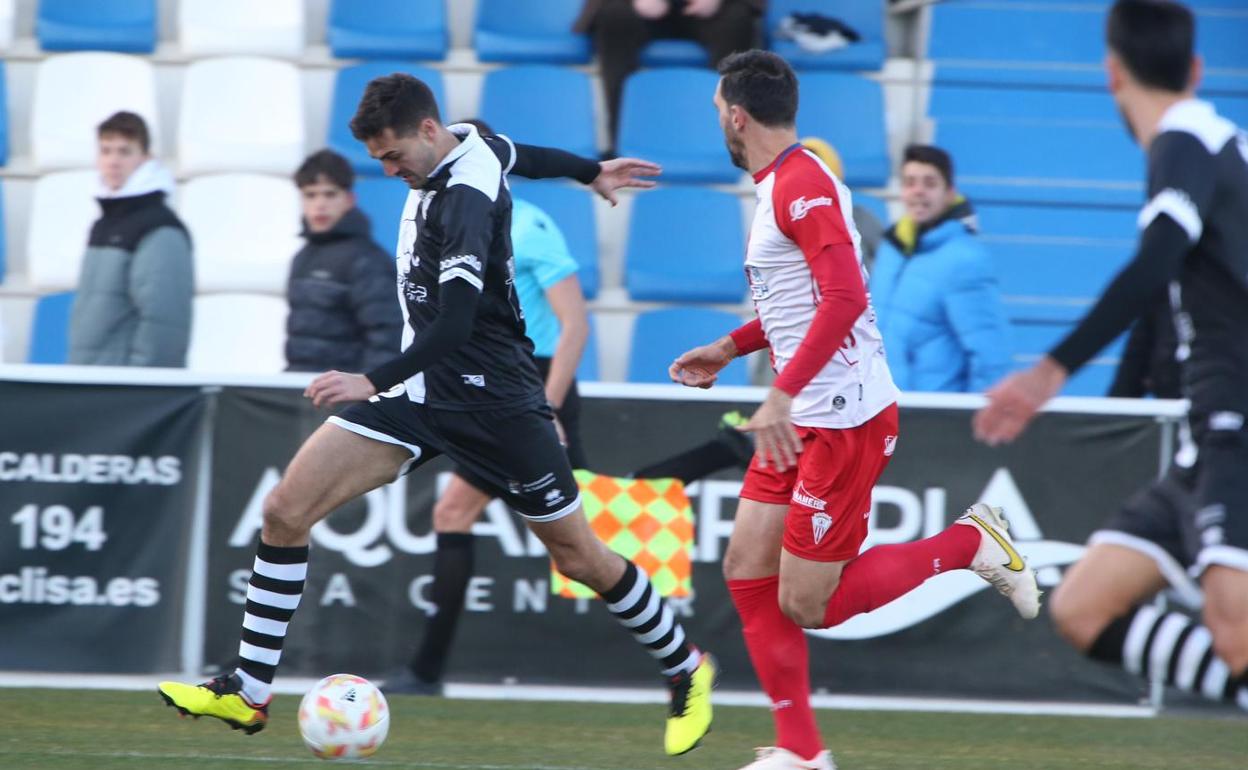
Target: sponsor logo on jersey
{"points": [[542, 483], [890, 445], [553, 498], [802, 497], [799, 208], [820, 523], [1226, 421], [461, 259], [838, 402], [416, 293], [476, 380]]}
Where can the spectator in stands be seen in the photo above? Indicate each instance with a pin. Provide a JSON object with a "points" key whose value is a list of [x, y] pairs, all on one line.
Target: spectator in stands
{"points": [[1149, 365], [343, 310], [622, 28], [934, 287], [869, 227], [133, 304]]}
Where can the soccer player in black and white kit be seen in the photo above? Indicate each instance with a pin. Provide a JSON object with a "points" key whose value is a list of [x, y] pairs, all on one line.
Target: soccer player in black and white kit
{"points": [[1193, 249], [465, 385]]}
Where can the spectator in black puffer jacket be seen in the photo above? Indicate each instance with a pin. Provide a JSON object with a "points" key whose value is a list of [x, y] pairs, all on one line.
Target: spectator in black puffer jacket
{"points": [[344, 312]]}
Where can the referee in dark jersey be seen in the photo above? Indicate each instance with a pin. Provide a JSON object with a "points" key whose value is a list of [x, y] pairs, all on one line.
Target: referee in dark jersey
{"points": [[465, 385], [1193, 250]]}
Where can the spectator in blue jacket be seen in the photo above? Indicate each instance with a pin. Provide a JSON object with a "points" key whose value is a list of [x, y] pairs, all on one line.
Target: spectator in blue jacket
{"points": [[934, 289], [344, 312]]}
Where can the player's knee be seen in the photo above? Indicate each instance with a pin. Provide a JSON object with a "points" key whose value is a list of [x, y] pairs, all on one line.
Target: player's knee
{"points": [[449, 516], [1072, 620], [575, 564], [803, 608], [282, 519], [1230, 633]]}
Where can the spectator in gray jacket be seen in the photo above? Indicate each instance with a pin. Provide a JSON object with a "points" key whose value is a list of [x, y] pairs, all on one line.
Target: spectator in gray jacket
{"points": [[133, 304], [344, 307]]}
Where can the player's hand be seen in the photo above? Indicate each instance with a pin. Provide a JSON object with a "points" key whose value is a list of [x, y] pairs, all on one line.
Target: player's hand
{"points": [[703, 9], [1013, 402], [339, 387], [776, 441], [650, 9], [620, 173], [699, 368]]}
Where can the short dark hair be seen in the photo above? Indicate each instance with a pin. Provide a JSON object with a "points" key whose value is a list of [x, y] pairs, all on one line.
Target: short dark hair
{"points": [[126, 124], [398, 102], [932, 156], [1155, 39], [328, 164], [763, 84], [482, 127]]}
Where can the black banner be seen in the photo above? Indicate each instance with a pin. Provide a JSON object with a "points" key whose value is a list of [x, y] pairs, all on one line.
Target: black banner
{"points": [[367, 593], [96, 491]]}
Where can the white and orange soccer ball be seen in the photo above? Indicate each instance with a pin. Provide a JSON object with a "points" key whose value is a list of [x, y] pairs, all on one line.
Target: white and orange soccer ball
{"points": [[344, 717]]}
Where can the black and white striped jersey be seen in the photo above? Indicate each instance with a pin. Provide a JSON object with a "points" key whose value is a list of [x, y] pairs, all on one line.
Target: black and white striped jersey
{"points": [[458, 228], [1193, 246]]}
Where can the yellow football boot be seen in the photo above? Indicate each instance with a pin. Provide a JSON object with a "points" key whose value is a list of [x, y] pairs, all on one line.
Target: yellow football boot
{"points": [[221, 698], [690, 716]]}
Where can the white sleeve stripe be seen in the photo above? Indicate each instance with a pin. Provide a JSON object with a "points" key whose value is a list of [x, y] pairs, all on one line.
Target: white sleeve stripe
{"points": [[1178, 206], [512, 145], [459, 272]]}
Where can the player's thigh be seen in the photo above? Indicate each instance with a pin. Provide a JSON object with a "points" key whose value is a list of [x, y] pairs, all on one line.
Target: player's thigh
{"points": [[754, 547], [806, 586], [577, 551], [460, 504], [332, 467], [1107, 582]]}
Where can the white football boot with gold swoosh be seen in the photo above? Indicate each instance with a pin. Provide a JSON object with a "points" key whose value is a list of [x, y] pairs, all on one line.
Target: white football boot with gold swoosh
{"points": [[999, 562]]}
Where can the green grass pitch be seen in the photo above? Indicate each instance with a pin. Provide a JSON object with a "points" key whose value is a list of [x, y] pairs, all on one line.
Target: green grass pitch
{"points": [[100, 729]]}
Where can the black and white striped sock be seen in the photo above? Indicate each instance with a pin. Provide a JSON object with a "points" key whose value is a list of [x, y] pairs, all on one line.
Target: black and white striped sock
{"points": [[639, 608], [272, 596], [1169, 646]]}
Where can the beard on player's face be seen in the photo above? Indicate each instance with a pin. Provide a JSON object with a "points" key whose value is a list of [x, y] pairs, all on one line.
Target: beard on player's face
{"points": [[736, 148]]}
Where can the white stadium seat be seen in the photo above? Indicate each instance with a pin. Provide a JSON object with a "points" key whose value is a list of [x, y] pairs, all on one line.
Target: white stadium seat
{"points": [[75, 92], [62, 209], [227, 27], [245, 230], [241, 114], [8, 17], [243, 333]]}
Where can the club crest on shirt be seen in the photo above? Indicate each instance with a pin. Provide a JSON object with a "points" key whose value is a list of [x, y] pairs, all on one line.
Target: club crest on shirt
{"points": [[758, 287]]}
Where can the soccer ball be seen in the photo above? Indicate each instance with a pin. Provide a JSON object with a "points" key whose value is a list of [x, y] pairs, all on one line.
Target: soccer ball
{"points": [[344, 717]]}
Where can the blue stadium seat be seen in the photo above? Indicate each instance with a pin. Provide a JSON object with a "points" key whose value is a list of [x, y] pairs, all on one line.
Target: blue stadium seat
{"points": [[1033, 339], [673, 53], [661, 335], [866, 17], [1024, 161], [4, 118], [101, 25], [529, 31], [543, 105], [666, 116], [382, 199], [1052, 262], [572, 208], [967, 44], [685, 245], [847, 111], [588, 370], [349, 86], [406, 29], [49, 329], [989, 101]]}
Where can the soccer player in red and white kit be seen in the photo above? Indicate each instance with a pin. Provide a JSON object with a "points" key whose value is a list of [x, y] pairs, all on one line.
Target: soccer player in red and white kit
{"points": [[827, 427]]}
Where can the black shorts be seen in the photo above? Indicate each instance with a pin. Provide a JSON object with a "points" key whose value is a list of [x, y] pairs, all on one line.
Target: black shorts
{"points": [[513, 454], [1194, 516]]}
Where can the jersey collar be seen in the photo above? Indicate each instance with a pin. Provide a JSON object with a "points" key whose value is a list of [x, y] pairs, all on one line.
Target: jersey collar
{"points": [[470, 138], [775, 164]]}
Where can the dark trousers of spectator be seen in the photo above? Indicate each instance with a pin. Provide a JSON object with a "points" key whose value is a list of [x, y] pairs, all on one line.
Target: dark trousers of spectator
{"points": [[620, 34]]}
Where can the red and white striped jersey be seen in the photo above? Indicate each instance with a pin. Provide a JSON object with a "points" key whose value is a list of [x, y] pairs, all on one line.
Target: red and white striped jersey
{"points": [[802, 209]]}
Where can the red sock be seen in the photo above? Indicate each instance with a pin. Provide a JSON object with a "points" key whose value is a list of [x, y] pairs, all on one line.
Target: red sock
{"points": [[887, 571], [778, 650]]}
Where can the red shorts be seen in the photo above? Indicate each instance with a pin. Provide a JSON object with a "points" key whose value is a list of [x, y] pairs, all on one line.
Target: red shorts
{"points": [[829, 492]]}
